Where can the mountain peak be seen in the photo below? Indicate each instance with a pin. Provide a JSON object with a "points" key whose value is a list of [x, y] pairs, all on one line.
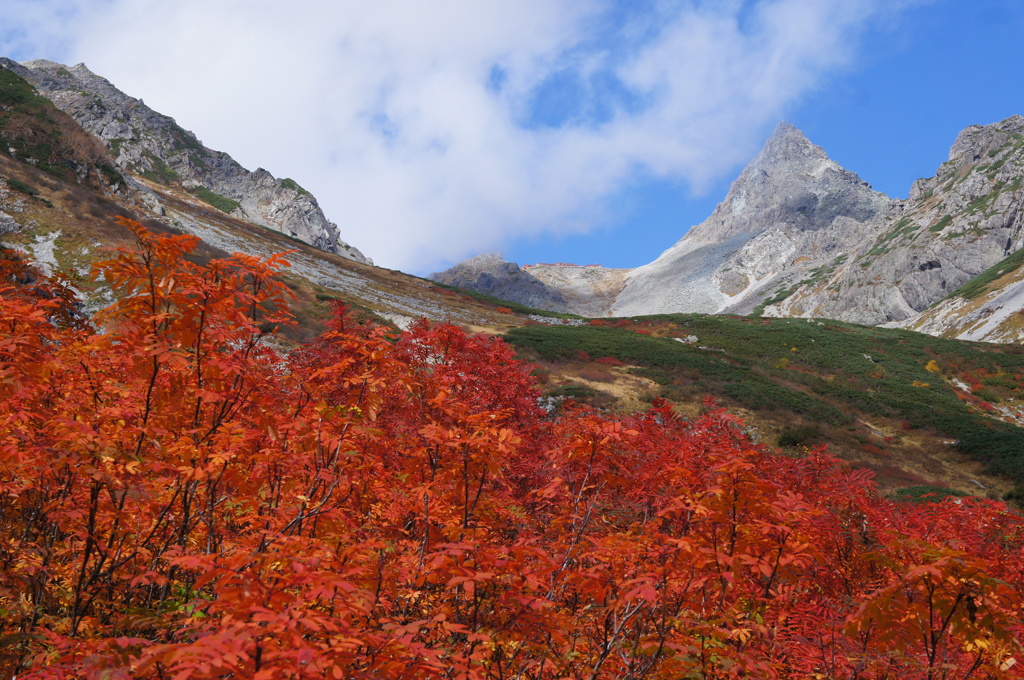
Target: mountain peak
{"points": [[787, 144], [791, 183], [784, 129]]}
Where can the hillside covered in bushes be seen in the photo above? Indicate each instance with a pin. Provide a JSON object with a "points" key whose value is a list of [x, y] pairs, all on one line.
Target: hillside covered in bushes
{"points": [[180, 499], [880, 396]]}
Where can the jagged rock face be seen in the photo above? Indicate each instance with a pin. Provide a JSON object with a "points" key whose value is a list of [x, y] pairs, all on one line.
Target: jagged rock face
{"points": [[792, 210], [589, 290], [154, 146], [798, 235], [953, 226], [490, 274], [791, 184]]}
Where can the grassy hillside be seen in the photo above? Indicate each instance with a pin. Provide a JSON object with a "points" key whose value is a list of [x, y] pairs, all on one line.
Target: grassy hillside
{"points": [[37, 132], [884, 398]]}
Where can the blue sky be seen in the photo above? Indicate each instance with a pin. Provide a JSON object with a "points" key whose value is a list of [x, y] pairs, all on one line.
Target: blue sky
{"points": [[891, 117], [593, 131]]}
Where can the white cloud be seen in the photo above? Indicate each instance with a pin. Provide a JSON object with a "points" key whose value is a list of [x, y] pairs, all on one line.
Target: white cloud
{"points": [[393, 114]]}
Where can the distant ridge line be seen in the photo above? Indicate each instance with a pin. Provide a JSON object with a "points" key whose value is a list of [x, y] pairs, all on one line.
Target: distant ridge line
{"points": [[562, 264]]}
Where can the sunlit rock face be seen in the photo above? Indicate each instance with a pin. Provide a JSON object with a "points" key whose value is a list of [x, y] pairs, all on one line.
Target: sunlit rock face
{"points": [[798, 235], [152, 145], [790, 211], [952, 227]]}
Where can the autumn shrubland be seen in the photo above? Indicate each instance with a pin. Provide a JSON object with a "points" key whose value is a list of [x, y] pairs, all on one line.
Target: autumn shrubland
{"points": [[179, 499], [872, 393]]}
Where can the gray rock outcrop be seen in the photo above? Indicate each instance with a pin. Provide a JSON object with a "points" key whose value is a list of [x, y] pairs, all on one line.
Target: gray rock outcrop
{"points": [[951, 228], [7, 224], [491, 274], [791, 211], [154, 146]]}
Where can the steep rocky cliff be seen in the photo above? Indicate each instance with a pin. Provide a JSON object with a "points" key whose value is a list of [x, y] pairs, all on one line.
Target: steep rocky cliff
{"points": [[154, 146], [982, 184], [952, 227], [792, 210], [797, 235]]}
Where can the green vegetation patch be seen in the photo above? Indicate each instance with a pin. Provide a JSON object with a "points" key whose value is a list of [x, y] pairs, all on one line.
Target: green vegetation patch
{"points": [[993, 169], [182, 139], [22, 187], [830, 373], [979, 284], [111, 173], [925, 493], [903, 228], [222, 203], [16, 91], [41, 134], [816, 276], [943, 222], [289, 183], [27, 189], [981, 203], [798, 435], [159, 171], [577, 392], [672, 363], [773, 300]]}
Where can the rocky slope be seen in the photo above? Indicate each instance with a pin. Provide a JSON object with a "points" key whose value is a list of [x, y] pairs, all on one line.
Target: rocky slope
{"points": [[587, 290], [491, 275], [152, 145], [798, 235], [953, 227], [793, 209]]}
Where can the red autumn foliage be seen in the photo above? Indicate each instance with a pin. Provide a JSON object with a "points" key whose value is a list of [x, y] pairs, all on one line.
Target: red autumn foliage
{"points": [[876, 450], [180, 500], [609, 361]]}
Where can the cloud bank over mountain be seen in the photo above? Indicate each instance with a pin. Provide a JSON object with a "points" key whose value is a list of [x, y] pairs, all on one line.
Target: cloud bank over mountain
{"points": [[433, 131]]}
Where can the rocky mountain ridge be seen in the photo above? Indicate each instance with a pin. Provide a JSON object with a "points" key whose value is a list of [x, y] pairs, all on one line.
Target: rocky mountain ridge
{"points": [[952, 228], [61, 195], [790, 210], [798, 235], [152, 145]]}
